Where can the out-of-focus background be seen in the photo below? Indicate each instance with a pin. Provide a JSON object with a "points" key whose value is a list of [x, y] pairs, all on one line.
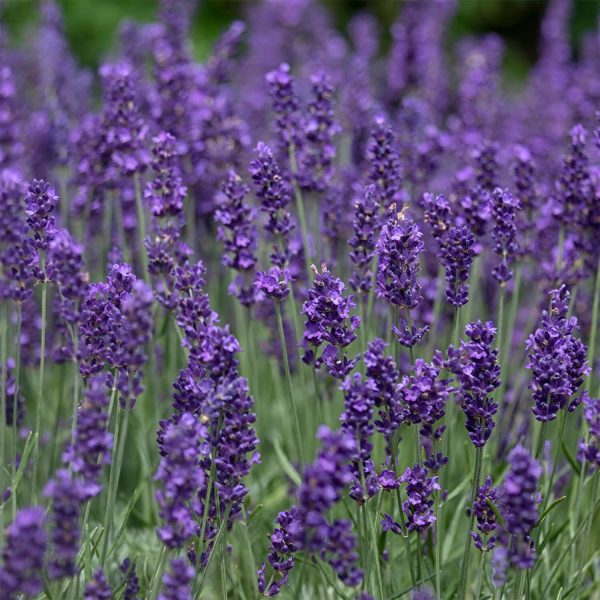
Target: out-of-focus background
{"points": [[92, 25]]}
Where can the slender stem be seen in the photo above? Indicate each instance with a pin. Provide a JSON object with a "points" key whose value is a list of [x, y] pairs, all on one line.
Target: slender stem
{"points": [[594, 328], [300, 209], [141, 216], [520, 584], [464, 573], [438, 545], [290, 389], [15, 408], [156, 577], [540, 443], [113, 482], [480, 575], [555, 461], [38, 405], [586, 537]]}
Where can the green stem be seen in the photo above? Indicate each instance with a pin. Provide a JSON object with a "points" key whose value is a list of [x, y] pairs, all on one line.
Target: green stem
{"points": [[464, 573], [555, 462], [586, 537], [594, 328], [16, 400], [115, 471], [141, 216], [479, 575], [300, 209], [520, 585], [290, 389], [38, 405], [156, 577]]}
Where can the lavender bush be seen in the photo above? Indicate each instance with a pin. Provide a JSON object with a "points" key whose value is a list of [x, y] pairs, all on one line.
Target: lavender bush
{"points": [[316, 317]]}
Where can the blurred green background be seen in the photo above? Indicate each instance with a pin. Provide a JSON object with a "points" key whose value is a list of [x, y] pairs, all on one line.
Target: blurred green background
{"points": [[92, 25]]}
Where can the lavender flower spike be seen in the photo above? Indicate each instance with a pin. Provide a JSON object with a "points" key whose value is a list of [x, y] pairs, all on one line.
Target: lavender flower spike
{"points": [[420, 490], [177, 582], [23, 554], [98, 588], [589, 449], [457, 256], [504, 209], [519, 505]]}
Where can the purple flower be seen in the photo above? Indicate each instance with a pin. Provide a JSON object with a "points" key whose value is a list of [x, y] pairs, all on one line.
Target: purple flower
{"points": [[423, 396], [383, 372], [589, 449], [285, 105], [15, 401], [398, 249], [305, 526], [519, 505], [274, 284], [420, 490], [132, 583], [356, 420], [176, 583], [274, 194], [328, 321], [92, 444], [319, 128], [526, 185], [98, 588], [41, 201], [181, 477], [476, 366], [557, 359], [23, 554], [67, 495], [505, 208], [363, 242], [237, 232], [124, 130], [457, 255], [384, 165], [486, 517], [438, 214], [573, 184]]}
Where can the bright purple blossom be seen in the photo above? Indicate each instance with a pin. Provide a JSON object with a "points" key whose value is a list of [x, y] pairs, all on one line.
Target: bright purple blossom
{"points": [[485, 516], [505, 208], [418, 506], [274, 283], [457, 256]]}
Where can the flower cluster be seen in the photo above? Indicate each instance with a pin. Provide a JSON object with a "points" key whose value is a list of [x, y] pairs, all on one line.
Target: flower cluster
{"points": [[589, 449], [329, 320], [457, 256], [363, 242], [476, 367], [420, 490], [486, 517], [23, 554], [504, 209], [557, 359], [519, 496], [306, 527]]}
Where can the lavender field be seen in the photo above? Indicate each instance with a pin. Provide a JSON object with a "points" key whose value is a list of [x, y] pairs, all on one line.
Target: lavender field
{"points": [[316, 317]]}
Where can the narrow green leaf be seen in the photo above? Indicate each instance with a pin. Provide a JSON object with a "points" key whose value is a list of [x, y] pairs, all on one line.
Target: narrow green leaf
{"points": [[497, 513], [130, 507], [547, 511], [286, 465], [571, 459]]}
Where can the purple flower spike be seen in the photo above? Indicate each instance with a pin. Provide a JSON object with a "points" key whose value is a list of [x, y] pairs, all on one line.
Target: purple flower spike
{"points": [[66, 494], [420, 490], [457, 256], [328, 321], [356, 420], [285, 105], [181, 477], [590, 450], [519, 505], [557, 360], [486, 517], [41, 201], [505, 208], [91, 448], [98, 588], [476, 366], [176, 583], [23, 554], [363, 242], [238, 233]]}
